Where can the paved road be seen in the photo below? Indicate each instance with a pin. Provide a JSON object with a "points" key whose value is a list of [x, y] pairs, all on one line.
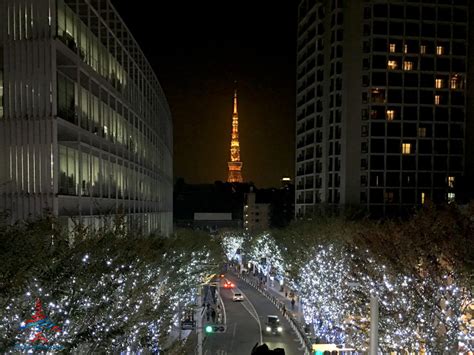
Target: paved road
{"points": [[244, 320]]}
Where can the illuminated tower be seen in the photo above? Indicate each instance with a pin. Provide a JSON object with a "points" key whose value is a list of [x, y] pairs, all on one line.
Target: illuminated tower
{"points": [[235, 165]]}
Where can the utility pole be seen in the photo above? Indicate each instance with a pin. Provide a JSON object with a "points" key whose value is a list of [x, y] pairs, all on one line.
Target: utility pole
{"points": [[199, 322], [374, 325]]}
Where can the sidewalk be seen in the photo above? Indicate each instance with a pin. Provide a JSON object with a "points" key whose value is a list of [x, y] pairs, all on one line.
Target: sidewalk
{"points": [[295, 310]]}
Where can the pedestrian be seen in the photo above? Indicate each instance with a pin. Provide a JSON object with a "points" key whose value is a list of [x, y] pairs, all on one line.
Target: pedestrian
{"points": [[293, 304], [284, 310]]}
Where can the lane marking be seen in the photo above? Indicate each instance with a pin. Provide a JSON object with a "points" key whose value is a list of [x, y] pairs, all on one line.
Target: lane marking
{"points": [[256, 314]]}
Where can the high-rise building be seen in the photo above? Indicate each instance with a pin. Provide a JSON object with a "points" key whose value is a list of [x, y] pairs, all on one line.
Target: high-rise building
{"points": [[85, 128], [381, 103], [235, 165]]}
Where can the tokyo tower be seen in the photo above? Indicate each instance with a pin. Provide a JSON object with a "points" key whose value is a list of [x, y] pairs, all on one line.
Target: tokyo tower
{"points": [[235, 165]]}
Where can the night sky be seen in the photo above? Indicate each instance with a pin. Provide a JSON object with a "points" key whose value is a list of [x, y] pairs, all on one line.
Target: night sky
{"points": [[198, 49]]}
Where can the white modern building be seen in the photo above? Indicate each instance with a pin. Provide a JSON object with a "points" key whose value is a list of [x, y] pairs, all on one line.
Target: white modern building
{"points": [[85, 128]]}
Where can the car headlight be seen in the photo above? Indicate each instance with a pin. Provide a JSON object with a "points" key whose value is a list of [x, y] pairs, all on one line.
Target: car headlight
{"points": [[280, 329], [269, 329]]}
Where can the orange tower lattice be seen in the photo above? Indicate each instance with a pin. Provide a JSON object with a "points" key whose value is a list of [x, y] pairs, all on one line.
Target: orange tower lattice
{"points": [[235, 165]]}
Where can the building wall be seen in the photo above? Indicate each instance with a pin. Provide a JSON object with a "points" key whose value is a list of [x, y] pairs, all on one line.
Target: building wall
{"points": [[381, 106], [87, 128], [256, 215]]}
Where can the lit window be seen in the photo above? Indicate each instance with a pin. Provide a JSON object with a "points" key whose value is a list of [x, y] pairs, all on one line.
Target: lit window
{"points": [[422, 198], [439, 83], [437, 99], [406, 148], [389, 196], [392, 47], [390, 115], [439, 50], [421, 132], [451, 181], [392, 64], [451, 197], [423, 49], [455, 82], [405, 48], [408, 65]]}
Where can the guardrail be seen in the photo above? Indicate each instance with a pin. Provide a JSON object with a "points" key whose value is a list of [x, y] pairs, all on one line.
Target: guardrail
{"points": [[304, 341]]}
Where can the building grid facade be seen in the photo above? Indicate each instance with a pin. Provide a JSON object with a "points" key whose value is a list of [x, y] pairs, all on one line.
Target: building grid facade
{"points": [[85, 127], [381, 103]]}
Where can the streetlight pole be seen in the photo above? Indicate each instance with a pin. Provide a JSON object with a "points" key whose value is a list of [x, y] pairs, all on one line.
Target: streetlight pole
{"points": [[374, 324], [199, 322]]}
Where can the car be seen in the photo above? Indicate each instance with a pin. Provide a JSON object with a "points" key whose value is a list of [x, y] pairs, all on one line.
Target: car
{"points": [[228, 284], [273, 326], [237, 297]]}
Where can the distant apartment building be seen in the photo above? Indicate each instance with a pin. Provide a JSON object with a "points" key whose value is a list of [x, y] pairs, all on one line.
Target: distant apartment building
{"points": [[256, 214], [381, 104], [85, 128]]}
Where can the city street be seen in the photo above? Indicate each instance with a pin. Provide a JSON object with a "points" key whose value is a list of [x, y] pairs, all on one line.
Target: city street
{"points": [[245, 320]]}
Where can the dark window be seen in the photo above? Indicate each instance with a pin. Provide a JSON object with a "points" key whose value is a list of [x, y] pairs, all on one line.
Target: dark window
{"points": [[444, 31], [394, 96], [393, 161], [380, 45], [396, 28], [428, 13], [441, 114], [410, 113], [412, 29], [459, 15], [379, 79], [459, 32], [380, 10], [424, 163], [459, 48], [393, 179], [458, 65], [442, 64], [457, 98], [379, 61], [413, 12], [409, 130], [393, 146], [424, 147], [393, 129], [377, 129], [426, 97], [427, 81], [411, 96], [426, 64], [376, 195], [394, 79], [441, 147], [411, 80], [377, 145], [457, 114], [440, 163], [426, 113], [396, 11], [457, 131], [377, 162], [380, 28], [427, 30], [441, 131]]}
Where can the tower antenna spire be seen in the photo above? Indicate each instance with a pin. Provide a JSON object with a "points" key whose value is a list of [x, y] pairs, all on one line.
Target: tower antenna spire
{"points": [[235, 165]]}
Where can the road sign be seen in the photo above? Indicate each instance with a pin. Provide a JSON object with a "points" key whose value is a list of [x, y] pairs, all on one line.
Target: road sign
{"points": [[188, 325]]}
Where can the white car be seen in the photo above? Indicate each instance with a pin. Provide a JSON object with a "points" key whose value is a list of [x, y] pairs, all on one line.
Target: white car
{"points": [[237, 297]]}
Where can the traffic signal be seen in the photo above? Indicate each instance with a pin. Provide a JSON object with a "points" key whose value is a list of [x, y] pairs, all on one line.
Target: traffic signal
{"points": [[215, 328]]}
